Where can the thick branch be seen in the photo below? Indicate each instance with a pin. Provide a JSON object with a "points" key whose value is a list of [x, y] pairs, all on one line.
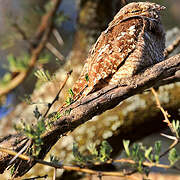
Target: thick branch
{"points": [[110, 96], [95, 104]]}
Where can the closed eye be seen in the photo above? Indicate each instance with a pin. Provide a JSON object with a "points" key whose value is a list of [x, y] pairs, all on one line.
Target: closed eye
{"points": [[136, 11]]}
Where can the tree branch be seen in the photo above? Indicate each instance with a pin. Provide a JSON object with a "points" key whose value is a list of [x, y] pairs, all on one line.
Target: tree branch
{"points": [[90, 106]]}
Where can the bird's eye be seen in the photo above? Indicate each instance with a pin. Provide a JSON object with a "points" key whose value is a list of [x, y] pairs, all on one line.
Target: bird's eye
{"points": [[134, 11]]}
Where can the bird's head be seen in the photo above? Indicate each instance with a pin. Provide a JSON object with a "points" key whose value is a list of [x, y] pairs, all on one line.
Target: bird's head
{"points": [[147, 9]]}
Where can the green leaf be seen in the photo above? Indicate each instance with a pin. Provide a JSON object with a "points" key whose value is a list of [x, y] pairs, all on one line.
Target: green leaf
{"points": [[43, 75], [37, 114], [157, 150], [54, 159], [92, 149], [69, 101], [136, 154], [126, 147], [148, 153], [6, 79], [77, 155], [71, 92], [41, 127], [67, 112], [105, 151], [175, 124], [173, 156], [18, 64], [27, 98], [87, 77], [140, 167], [12, 169], [60, 18]]}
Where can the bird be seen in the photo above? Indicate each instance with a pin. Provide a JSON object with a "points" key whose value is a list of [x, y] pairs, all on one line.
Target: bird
{"points": [[133, 41]]}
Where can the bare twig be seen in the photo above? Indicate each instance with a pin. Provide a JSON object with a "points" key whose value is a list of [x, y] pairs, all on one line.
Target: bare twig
{"points": [[148, 164], [173, 145], [37, 177], [20, 31], [57, 96], [54, 51], [172, 47], [165, 113], [58, 37], [54, 174], [168, 136]]}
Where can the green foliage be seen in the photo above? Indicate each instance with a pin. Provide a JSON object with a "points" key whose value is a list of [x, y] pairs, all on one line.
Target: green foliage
{"points": [[12, 170], [92, 149], [157, 150], [6, 79], [176, 126], [43, 75], [58, 115], [148, 154], [70, 99], [27, 98], [44, 59], [126, 147], [33, 132], [71, 93], [67, 112], [140, 153], [77, 155], [94, 156], [60, 18], [52, 117], [15, 65], [49, 5], [87, 77], [18, 64], [54, 159], [105, 151], [173, 156], [37, 114]]}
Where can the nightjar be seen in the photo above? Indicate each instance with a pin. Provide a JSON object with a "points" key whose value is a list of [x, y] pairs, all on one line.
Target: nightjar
{"points": [[133, 41]]}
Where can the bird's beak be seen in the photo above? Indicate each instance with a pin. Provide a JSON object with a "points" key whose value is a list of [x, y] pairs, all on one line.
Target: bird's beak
{"points": [[159, 7]]}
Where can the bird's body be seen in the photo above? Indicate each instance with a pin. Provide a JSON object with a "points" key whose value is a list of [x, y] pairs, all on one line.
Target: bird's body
{"points": [[133, 41]]}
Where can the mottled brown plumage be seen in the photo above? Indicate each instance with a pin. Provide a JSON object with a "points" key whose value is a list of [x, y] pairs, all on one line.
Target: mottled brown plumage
{"points": [[134, 40]]}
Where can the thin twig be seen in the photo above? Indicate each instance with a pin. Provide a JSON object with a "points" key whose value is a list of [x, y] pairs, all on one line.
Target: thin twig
{"points": [[54, 174], [86, 170], [37, 177], [20, 152], [58, 37], [20, 31], [54, 51], [168, 136], [57, 96], [165, 113], [148, 164], [13, 153], [173, 145], [172, 47]]}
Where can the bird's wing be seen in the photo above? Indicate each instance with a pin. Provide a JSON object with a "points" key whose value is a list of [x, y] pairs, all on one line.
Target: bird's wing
{"points": [[109, 53]]}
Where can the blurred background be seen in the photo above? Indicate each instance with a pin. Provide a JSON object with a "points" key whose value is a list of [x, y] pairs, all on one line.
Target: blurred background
{"points": [[78, 23]]}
